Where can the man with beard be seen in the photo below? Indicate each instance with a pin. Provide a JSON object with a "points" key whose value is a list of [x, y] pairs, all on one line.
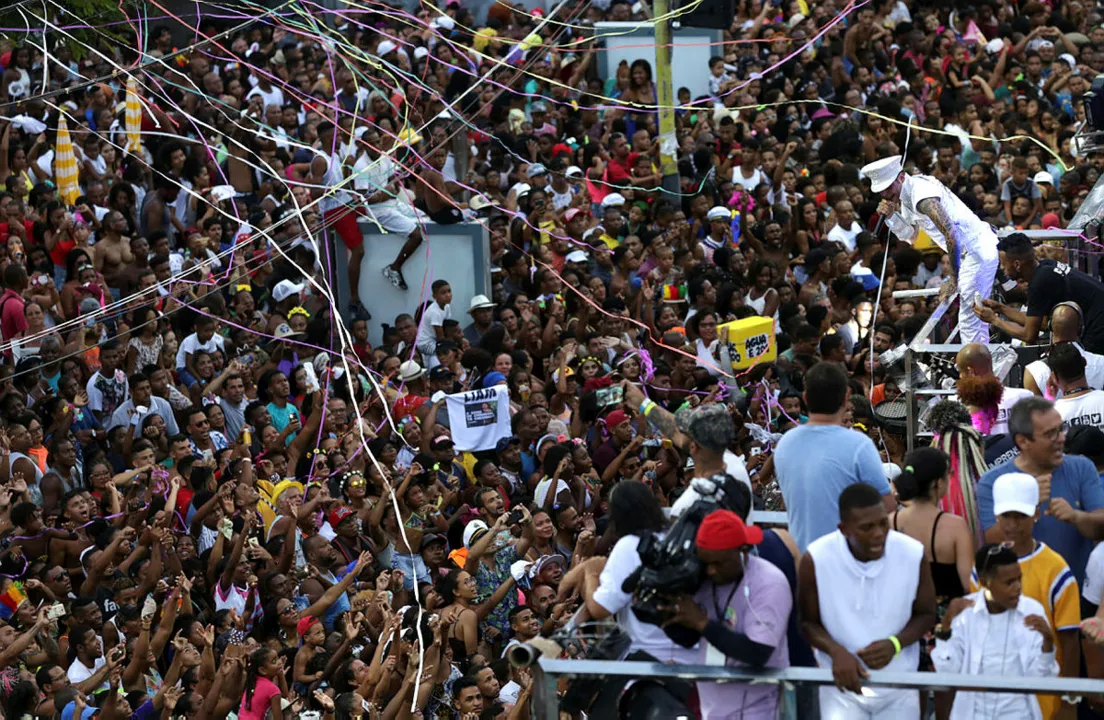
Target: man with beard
{"points": [[89, 654], [1049, 283], [329, 563]]}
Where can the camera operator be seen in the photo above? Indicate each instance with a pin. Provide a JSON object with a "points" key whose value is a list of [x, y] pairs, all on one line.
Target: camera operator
{"points": [[634, 512], [742, 608], [707, 432]]}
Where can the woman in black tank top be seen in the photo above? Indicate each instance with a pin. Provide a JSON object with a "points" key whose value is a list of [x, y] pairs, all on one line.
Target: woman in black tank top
{"points": [[949, 547]]}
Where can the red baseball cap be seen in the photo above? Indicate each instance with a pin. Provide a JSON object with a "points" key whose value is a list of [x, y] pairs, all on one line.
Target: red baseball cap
{"points": [[336, 516], [305, 623], [724, 530], [615, 418]]}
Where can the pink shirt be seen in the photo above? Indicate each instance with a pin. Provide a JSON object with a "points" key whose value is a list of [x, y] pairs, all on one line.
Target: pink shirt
{"points": [[758, 607], [262, 697], [12, 321]]}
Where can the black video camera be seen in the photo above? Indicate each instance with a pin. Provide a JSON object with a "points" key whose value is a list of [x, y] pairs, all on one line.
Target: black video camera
{"points": [[669, 565]]}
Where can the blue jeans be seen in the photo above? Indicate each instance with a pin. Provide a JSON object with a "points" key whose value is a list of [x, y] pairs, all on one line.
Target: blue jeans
{"points": [[412, 566]]}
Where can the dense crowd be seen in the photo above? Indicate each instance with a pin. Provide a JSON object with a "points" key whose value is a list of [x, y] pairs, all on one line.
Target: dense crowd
{"points": [[218, 498]]}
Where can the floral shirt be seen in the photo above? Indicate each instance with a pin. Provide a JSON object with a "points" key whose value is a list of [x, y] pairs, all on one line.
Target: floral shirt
{"points": [[487, 581]]}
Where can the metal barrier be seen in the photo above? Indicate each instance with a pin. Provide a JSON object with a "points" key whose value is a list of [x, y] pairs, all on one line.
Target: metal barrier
{"points": [[547, 705]]}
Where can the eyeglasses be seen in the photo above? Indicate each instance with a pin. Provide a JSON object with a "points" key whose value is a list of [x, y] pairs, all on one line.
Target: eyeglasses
{"points": [[61, 574], [289, 610]]}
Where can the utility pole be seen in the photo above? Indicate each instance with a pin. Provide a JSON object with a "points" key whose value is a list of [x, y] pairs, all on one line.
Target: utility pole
{"points": [[665, 96]]}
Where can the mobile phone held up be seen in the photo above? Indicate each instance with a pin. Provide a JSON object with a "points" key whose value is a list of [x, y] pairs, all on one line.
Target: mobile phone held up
{"points": [[610, 395]]}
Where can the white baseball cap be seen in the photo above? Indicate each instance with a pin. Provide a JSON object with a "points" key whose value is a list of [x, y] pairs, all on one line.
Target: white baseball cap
{"points": [[385, 47], [420, 52], [1015, 492], [576, 256], [285, 289], [613, 200], [574, 171], [1043, 177]]}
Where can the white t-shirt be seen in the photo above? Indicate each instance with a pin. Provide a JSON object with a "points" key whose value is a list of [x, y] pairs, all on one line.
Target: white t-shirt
{"points": [[434, 316], [191, 345], [78, 672], [1094, 371], [275, 96], [1010, 397], [541, 492], [845, 236], [1093, 587], [1087, 409], [623, 561]]}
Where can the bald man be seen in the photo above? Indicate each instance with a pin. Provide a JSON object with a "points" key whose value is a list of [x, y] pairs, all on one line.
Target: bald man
{"points": [[974, 360], [1065, 326]]}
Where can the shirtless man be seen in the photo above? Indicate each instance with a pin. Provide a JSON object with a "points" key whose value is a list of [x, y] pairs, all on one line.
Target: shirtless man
{"points": [[435, 193], [130, 275], [112, 252]]}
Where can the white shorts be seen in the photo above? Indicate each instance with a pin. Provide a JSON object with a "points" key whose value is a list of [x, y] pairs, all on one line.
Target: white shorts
{"points": [[886, 704], [392, 217]]}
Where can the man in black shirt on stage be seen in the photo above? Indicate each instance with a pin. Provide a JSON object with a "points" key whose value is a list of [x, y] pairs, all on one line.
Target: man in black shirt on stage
{"points": [[1049, 283]]}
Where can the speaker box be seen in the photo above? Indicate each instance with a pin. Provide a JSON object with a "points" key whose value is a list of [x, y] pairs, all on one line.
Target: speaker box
{"points": [[716, 14]]}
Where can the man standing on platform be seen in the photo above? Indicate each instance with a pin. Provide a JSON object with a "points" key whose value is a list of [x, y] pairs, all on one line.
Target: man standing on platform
{"points": [[911, 203]]}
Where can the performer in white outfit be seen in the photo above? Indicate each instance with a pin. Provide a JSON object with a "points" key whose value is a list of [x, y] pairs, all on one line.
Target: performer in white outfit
{"points": [[914, 202]]}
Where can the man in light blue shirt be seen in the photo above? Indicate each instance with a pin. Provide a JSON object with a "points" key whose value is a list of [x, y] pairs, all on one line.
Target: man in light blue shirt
{"points": [[1071, 497], [818, 460]]}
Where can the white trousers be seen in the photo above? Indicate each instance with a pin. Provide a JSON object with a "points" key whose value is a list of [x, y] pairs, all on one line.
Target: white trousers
{"points": [[975, 277], [886, 704]]}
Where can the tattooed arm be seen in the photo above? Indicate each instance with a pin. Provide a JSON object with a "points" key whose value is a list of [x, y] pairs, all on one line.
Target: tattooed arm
{"points": [[938, 214], [662, 420]]}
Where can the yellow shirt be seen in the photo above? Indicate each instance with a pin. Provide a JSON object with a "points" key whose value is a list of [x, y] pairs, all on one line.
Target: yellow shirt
{"points": [[1048, 579], [611, 242]]}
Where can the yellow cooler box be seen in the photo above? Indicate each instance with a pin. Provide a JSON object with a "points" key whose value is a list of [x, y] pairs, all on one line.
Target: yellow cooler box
{"points": [[751, 342]]}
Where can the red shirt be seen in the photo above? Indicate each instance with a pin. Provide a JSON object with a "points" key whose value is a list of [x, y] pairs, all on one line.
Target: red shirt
{"points": [[619, 172], [408, 405], [12, 321]]}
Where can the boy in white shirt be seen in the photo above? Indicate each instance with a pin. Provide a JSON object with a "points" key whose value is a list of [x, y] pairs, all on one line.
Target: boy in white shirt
{"points": [[432, 328], [997, 631], [204, 338]]}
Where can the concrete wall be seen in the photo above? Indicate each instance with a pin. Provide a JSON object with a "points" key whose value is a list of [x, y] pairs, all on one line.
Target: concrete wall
{"points": [[457, 253]]}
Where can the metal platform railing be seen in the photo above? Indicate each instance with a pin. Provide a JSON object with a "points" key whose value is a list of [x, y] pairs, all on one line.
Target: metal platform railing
{"points": [[549, 671]]}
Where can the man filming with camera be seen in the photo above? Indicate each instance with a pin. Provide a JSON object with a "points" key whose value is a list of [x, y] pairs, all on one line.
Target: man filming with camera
{"points": [[741, 610], [706, 432]]}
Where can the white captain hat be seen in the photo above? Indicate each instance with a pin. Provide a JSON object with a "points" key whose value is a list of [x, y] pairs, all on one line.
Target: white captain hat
{"points": [[882, 173]]}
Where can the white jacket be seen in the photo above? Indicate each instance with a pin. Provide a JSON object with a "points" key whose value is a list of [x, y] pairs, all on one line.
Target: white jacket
{"points": [[1024, 657]]}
